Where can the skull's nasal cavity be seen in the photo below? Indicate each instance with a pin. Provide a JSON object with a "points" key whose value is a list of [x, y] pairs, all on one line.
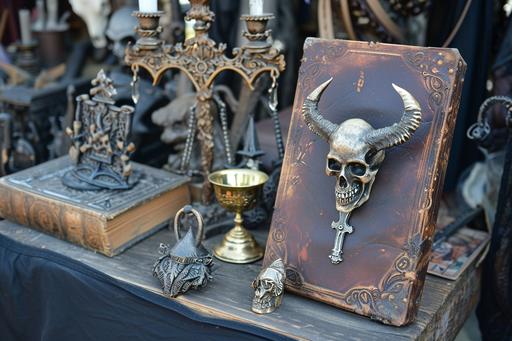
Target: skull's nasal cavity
{"points": [[343, 182]]}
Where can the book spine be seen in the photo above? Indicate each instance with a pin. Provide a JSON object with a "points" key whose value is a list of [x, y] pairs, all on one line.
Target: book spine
{"points": [[62, 221], [446, 134]]}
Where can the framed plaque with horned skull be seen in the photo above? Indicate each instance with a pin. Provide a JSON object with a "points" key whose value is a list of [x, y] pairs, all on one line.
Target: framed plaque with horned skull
{"points": [[356, 152]]}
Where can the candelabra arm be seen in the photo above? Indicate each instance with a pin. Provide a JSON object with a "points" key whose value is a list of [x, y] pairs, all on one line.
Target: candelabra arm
{"points": [[202, 60]]}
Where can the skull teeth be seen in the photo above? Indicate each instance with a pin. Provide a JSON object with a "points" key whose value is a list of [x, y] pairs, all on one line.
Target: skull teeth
{"points": [[345, 197]]}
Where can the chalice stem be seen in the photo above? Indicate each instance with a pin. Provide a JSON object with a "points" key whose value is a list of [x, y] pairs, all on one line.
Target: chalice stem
{"points": [[239, 222], [238, 232], [238, 245]]}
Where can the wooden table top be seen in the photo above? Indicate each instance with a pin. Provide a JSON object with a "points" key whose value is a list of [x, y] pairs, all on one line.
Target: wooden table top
{"points": [[444, 307]]}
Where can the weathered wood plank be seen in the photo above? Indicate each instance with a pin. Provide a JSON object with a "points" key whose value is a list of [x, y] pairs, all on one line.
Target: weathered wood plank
{"points": [[443, 309]]}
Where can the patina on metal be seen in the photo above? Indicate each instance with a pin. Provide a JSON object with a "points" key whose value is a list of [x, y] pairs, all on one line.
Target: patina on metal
{"points": [[99, 148], [202, 60], [269, 288], [238, 190], [188, 265], [355, 155]]}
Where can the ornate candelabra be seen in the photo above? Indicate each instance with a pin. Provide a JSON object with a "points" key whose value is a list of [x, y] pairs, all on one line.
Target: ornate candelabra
{"points": [[202, 60]]}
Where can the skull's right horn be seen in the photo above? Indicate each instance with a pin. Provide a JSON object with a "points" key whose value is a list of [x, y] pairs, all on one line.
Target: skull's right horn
{"points": [[402, 131], [315, 121]]}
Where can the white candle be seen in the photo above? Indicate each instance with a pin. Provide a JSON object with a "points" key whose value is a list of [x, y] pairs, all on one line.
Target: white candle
{"points": [[53, 14], [25, 26], [148, 6], [255, 7], [41, 16]]}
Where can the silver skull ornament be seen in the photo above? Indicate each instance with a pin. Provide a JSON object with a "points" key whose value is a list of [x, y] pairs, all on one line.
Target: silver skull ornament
{"points": [[356, 152], [268, 288]]}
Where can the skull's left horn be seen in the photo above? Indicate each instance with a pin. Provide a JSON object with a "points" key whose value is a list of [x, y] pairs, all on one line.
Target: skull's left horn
{"points": [[399, 132], [315, 121]]}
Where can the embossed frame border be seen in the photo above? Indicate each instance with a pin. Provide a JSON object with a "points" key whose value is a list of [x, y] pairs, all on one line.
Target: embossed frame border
{"points": [[389, 302]]}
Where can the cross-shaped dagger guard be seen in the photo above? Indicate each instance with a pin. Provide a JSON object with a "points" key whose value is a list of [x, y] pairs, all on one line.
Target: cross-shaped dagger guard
{"points": [[342, 227]]}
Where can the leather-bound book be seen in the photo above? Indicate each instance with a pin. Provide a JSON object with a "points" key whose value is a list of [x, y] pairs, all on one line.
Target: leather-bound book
{"points": [[385, 257], [107, 221]]}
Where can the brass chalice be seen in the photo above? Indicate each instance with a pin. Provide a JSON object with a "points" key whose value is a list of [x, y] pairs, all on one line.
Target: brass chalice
{"points": [[238, 190]]}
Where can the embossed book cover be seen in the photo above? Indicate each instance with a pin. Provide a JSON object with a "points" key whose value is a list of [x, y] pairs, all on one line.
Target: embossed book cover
{"points": [[107, 221], [363, 174]]}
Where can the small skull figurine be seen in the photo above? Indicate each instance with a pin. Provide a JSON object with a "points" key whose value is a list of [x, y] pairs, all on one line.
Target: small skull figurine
{"points": [[355, 155], [268, 288], [188, 265]]}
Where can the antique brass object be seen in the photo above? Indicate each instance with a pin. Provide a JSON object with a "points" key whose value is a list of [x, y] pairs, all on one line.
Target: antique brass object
{"points": [[100, 147], [269, 288], [188, 265], [238, 190], [202, 60], [356, 153]]}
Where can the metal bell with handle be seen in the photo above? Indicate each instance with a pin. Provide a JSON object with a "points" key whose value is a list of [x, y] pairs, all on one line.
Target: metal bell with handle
{"points": [[188, 265]]}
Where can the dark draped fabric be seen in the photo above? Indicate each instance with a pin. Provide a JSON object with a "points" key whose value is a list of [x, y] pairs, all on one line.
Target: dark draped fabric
{"points": [[495, 307], [48, 297], [473, 41]]}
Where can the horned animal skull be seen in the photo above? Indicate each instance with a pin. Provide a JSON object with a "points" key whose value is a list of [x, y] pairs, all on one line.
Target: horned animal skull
{"points": [[95, 14], [268, 288], [356, 153]]}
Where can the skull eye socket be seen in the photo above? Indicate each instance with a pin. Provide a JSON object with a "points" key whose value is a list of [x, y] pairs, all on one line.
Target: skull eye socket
{"points": [[357, 168], [334, 165], [267, 285]]}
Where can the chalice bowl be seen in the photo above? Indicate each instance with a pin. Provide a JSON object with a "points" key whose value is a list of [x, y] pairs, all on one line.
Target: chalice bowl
{"points": [[238, 190]]}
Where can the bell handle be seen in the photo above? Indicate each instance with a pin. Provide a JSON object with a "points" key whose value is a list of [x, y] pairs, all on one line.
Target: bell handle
{"points": [[200, 224]]}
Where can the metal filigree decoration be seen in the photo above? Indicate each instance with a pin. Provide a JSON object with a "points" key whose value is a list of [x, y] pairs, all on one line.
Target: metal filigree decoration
{"points": [[202, 60], [480, 130], [269, 288], [356, 153], [100, 149], [188, 265]]}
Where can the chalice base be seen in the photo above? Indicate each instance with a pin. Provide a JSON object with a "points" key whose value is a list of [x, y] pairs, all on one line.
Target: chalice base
{"points": [[238, 246]]}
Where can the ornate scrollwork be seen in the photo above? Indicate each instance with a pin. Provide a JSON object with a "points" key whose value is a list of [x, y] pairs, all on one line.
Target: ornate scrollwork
{"points": [[390, 299], [99, 136], [201, 59], [429, 68], [236, 199]]}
